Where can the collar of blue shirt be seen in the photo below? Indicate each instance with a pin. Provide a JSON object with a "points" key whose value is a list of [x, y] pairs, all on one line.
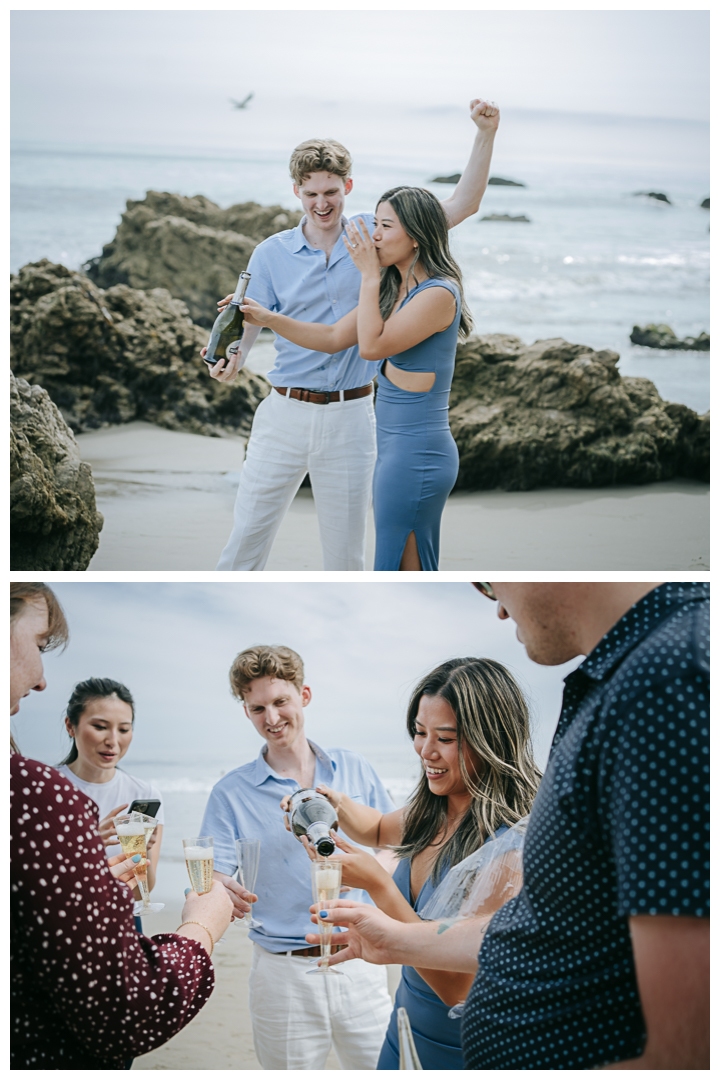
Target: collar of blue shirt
{"points": [[300, 240], [262, 772]]}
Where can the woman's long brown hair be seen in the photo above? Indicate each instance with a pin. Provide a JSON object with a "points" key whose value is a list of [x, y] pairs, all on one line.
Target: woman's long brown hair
{"points": [[493, 721], [422, 217]]}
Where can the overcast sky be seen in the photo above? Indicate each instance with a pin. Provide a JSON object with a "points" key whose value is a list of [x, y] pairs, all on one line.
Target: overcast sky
{"points": [[167, 75], [364, 645]]}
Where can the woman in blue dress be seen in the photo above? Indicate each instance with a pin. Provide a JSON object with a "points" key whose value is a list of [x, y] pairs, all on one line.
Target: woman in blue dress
{"points": [[409, 315], [469, 724]]}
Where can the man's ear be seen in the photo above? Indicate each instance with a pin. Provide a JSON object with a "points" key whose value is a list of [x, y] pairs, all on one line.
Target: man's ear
{"points": [[306, 695], [296, 190], [348, 185]]}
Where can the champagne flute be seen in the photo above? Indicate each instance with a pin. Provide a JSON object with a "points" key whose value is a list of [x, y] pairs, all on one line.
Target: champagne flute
{"points": [[199, 861], [133, 831], [408, 1054], [248, 857], [326, 882]]}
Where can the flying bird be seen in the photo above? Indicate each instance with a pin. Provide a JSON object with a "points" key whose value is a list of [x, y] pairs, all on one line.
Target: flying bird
{"points": [[242, 104]]}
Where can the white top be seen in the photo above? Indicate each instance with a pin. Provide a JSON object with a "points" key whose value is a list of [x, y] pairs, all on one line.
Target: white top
{"points": [[123, 788]]}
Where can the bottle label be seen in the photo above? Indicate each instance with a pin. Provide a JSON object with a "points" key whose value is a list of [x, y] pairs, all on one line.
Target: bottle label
{"points": [[232, 348]]}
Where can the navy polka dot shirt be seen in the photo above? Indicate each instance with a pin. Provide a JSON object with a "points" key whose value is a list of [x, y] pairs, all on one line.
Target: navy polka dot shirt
{"points": [[619, 828]]}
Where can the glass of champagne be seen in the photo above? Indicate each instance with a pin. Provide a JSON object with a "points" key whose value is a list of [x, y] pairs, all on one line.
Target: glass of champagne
{"points": [[199, 862], [133, 831], [248, 857], [326, 882], [408, 1054]]}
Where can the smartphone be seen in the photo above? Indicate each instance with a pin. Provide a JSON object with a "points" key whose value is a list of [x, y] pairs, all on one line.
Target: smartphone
{"points": [[145, 806]]}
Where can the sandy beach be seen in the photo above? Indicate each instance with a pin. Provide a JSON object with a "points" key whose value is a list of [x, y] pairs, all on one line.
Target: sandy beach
{"points": [[167, 498], [220, 1036]]}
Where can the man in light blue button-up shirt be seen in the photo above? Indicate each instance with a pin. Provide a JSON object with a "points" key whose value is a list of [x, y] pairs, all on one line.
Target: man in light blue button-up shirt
{"points": [[295, 1019], [319, 418]]}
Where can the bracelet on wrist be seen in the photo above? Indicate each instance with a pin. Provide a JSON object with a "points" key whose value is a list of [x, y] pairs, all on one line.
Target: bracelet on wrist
{"points": [[194, 922]]}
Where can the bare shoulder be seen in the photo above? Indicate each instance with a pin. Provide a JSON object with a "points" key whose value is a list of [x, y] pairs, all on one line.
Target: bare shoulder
{"points": [[437, 297]]}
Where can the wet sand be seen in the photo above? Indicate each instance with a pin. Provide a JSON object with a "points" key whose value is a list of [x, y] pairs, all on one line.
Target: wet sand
{"points": [[168, 498]]}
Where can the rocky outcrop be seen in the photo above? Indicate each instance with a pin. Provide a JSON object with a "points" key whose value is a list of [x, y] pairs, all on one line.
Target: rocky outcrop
{"points": [[657, 195], [560, 415], [504, 183], [493, 180], [108, 356], [189, 246], [506, 217], [661, 336], [54, 524]]}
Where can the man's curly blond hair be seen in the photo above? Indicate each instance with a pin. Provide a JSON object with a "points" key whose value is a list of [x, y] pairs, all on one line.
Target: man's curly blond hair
{"points": [[277, 661], [319, 155]]}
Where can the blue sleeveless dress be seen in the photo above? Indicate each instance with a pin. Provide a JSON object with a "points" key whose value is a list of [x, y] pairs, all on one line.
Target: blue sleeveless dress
{"points": [[437, 1038], [417, 463]]}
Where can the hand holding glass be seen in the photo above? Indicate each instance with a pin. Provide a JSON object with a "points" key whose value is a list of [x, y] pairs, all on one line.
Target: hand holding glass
{"points": [[326, 882], [133, 831]]}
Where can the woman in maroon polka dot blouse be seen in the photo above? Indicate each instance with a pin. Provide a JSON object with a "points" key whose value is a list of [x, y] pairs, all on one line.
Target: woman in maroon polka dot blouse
{"points": [[87, 992]]}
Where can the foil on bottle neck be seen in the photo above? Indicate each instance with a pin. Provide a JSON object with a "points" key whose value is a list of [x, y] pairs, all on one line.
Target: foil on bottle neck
{"points": [[239, 294]]}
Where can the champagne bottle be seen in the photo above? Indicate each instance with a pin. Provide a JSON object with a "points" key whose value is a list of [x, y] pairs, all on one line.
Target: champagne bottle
{"points": [[228, 327], [408, 1054], [312, 815]]}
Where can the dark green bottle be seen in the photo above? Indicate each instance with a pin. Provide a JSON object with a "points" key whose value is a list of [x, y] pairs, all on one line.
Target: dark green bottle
{"points": [[228, 326]]}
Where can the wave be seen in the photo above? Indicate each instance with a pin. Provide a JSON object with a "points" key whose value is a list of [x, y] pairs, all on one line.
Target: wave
{"points": [[400, 788], [185, 784], [484, 286]]}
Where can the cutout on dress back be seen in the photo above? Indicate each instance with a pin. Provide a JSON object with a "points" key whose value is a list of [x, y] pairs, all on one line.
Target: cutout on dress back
{"points": [[407, 373]]}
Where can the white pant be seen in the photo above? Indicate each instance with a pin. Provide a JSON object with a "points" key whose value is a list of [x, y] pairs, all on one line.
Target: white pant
{"points": [[335, 443], [296, 1017]]}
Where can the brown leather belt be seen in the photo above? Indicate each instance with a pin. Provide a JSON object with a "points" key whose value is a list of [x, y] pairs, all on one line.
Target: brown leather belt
{"points": [[314, 950], [324, 397]]}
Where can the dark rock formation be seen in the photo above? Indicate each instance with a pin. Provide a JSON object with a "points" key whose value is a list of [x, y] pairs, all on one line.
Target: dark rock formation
{"points": [[505, 183], [505, 217], [661, 336], [493, 180], [54, 524], [705, 204], [120, 354], [189, 246], [654, 195], [560, 415]]}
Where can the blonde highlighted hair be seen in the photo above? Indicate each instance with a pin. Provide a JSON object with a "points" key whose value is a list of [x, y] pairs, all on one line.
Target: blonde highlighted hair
{"points": [[319, 155], [493, 726], [260, 661]]}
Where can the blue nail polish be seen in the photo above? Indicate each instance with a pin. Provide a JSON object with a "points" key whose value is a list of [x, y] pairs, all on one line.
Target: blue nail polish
{"points": [[187, 891], [323, 914], [136, 858]]}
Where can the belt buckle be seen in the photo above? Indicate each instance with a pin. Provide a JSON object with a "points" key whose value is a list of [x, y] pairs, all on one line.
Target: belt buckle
{"points": [[327, 394]]}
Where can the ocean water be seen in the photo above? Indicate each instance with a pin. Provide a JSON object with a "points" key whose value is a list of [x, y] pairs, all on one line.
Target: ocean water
{"points": [[593, 261]]}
